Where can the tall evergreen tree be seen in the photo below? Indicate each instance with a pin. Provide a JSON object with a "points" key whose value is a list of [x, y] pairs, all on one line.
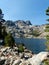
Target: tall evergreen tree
{"points": [[47, 29], [4, 33], [0, 30], [1, 14]]}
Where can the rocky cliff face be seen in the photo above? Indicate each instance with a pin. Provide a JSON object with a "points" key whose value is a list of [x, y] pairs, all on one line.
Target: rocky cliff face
{"points": [[22, 28], [28, 22]]}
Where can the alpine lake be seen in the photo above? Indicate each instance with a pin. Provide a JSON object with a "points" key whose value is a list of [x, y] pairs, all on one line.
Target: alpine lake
{"points": [[35, 45]]}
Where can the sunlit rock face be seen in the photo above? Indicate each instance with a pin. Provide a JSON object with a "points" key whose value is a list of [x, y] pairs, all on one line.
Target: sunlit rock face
{"points": [[37, 59]]}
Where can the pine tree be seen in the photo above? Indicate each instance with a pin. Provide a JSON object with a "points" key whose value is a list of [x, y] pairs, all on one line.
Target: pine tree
{"points": [[1, 14], [47, 29], [9, 40], [0, 30]]}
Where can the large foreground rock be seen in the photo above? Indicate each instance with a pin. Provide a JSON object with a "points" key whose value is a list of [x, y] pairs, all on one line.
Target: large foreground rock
{"points": [[36, 59]]}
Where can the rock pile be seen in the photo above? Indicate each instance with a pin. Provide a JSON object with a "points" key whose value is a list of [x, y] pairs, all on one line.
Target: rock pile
{"points": [[11, 56]]}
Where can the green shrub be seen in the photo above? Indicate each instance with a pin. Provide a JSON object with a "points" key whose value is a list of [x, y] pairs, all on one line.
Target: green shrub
{"points": [[20, 48], [9, 40], [35, 33], [45, 62]]}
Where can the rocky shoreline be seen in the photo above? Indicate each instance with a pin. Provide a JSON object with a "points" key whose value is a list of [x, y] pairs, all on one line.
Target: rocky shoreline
{"points": [[11, 56]]}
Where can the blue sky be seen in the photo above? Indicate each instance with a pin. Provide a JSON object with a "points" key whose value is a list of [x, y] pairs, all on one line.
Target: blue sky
{"points": [[33, 10]]}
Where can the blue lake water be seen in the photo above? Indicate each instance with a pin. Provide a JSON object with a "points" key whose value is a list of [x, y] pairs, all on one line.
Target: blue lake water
{"points": [[35, 45]]}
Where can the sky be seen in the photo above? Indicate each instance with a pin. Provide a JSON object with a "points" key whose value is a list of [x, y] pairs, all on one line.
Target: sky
{"points": [[33, 10]]}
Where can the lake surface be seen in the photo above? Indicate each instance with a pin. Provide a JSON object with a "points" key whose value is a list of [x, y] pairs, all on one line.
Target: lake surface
{"points": [[35, 45]]}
